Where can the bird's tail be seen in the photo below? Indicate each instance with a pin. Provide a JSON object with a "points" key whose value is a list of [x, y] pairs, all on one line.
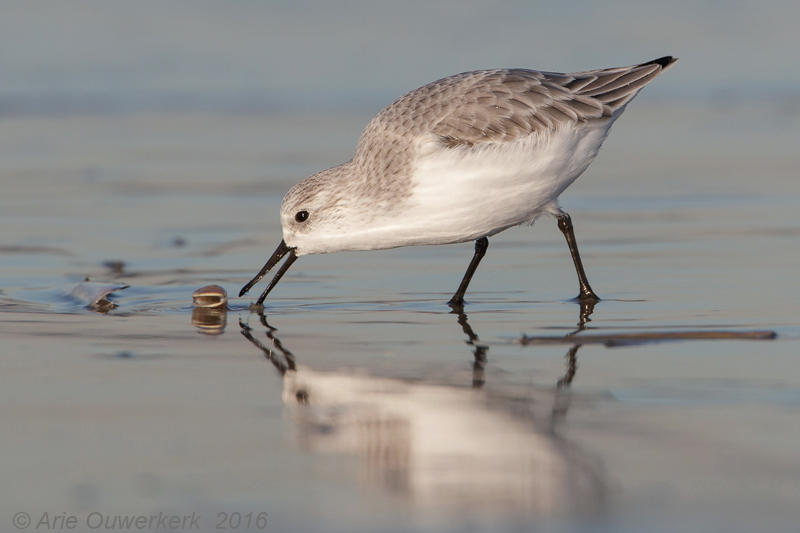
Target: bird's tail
{"points": [[615, 87]]}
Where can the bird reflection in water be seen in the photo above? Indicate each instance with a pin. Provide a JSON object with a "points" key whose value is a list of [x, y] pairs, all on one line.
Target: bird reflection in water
{"points": [[481, 349], [485, 448]]}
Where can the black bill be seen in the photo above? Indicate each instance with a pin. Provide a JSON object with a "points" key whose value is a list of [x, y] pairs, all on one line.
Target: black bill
{"points": [[282, 250]]}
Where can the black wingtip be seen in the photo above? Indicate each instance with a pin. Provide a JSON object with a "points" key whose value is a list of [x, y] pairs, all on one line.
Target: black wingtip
{"points": [[663, 61]]}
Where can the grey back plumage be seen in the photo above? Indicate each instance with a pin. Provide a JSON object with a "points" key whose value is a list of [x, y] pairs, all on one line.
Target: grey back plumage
{"points": [[507, 104]]}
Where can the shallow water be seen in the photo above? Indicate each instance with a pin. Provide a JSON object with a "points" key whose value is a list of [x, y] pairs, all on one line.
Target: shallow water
{"points": [[371, 410]]}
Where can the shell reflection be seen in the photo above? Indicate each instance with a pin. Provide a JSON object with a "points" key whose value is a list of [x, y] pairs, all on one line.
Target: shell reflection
{"points": [[209, 321]]}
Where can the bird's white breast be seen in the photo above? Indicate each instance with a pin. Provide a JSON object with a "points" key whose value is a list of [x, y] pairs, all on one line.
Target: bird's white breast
{"points": [[467, 192]]}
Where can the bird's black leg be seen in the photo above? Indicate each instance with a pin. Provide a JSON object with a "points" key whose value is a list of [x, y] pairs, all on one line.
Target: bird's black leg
{"points": [[565, 225], [480, 250]]}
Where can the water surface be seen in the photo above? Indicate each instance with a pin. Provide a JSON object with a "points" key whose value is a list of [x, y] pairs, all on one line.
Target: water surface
{"points": [[360, 401]]}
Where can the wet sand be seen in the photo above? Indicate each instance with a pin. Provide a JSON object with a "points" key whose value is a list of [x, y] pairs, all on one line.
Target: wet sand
{"points": [[365, 403]]}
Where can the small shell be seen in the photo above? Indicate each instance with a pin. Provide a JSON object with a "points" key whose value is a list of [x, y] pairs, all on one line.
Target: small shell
{"points": [[93, 293], [212, 296]]}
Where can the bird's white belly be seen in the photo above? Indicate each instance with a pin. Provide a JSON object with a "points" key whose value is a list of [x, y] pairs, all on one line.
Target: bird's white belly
{"points": [[464, 193]]}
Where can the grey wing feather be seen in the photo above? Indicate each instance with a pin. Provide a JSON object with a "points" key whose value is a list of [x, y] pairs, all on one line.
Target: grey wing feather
{"points": [[507, 104]]}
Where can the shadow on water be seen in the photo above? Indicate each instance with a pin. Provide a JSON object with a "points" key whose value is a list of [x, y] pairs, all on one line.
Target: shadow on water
{"points": [[483, 448]]}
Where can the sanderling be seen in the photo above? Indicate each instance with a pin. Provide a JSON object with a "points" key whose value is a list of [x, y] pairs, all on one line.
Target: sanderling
{"points": [[461, 159]]}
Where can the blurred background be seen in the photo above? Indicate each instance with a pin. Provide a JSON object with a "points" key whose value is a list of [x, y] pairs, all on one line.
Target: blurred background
{"points": [[116, 56]]}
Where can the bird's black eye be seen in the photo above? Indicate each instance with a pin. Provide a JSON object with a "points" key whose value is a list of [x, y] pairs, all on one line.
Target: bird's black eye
{"points": [[302, 396], [301, 216]]}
